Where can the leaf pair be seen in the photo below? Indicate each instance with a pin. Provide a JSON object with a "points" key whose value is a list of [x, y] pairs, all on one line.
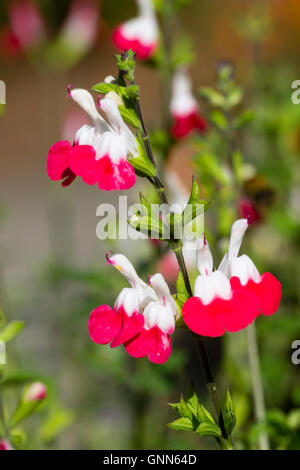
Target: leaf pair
{"points": [[195, 417]]}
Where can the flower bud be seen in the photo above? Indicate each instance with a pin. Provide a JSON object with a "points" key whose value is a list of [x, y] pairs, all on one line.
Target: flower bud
{"points": [[35, 392], [5, 445]]}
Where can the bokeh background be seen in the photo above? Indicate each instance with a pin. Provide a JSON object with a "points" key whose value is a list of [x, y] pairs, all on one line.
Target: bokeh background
{"points": [[52, 264]]}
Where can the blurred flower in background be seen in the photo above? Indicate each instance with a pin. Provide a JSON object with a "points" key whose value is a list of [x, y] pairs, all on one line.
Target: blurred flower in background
{"points": [[139, 34], [184, 106]]}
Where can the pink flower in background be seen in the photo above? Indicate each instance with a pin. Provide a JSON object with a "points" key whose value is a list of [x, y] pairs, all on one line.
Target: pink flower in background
{"points": [[99, 152], [36, 391], [142, 319], [244, 274], [216, 307], [5, 445], [139, 34], [80, 29], [248, 211], [184, 107], [10, 46], [27, 23]]}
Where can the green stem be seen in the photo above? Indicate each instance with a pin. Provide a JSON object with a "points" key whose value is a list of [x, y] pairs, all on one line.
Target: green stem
{"points": [[257, 386], [2, 415]]}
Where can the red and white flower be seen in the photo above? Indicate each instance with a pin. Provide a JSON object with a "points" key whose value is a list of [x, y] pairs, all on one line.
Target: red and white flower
{"points": [[216, 307], [244, 274], [99, 152], [142, 319], [184, 107], [139, 34]]}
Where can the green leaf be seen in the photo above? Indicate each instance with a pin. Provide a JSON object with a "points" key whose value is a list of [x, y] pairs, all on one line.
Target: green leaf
{"points": [[208, 429], [234, 97], [150, 225], [185, 410], [145, 204], [180, 286], [293, 419], [180, 299], [142, 165], [193, 404], [245, 118], [214, 97], [24, 410], [175, 406], [204, 415], [103, 88], [195, 192], [131, 92], [181, 424], [192, 211], [219, 119], [17, 377], [130, 117], [11, 331], [229, 414], [210, 164]]}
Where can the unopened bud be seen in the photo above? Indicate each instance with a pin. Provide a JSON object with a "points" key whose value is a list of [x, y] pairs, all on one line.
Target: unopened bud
{"points": [[35, 392], [5, 445], [109, 79]]}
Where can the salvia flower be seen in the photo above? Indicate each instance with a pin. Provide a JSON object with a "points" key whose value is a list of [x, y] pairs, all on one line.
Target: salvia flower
{"points": [[5, 445], [99, 151], [139, 34], [184, 107], [230, 298], [142, 318], [244, 274]]}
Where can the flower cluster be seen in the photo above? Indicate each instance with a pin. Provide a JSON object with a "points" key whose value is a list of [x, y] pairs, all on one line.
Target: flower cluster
{"points": [[139, 34], [227, 299], [184, 107], [99, 151], [230, 298], [143, 317]]}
